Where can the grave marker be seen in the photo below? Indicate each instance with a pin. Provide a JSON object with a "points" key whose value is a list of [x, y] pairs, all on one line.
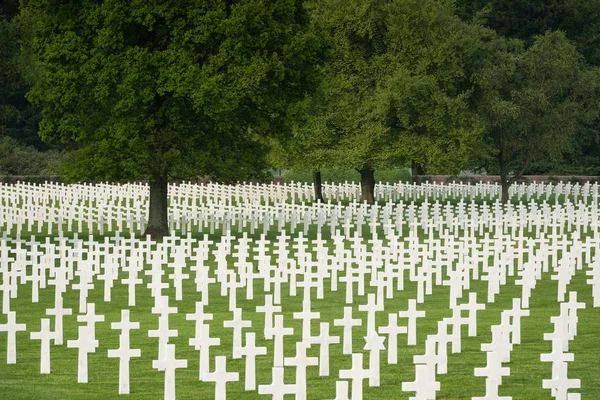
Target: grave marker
{"points": [[86, 343], [45, 335], [356, 374], [169, 364], [220, 376], [347, 323], [250, 351], [324, 340], [277, 389], [124, 353], [411, 314], [11, 327]]}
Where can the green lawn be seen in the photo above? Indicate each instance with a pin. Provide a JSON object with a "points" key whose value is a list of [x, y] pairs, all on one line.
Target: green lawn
{"points": [[23, 380]]}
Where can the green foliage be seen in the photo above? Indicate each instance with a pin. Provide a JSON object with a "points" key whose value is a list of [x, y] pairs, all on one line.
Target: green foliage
{"points": [[331, 175], [393, 175], [526, 19], [19, 159], [396, 83], [18, 118], [532, 100], [167, 89]]}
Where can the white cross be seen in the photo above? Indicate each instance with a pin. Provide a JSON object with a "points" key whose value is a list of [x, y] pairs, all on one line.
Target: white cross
{"points": [[11, 328], [124, 353], [301, 361], [132, 280], [279, 331], [424, 384], [572, 306], [86, 343], [169, 364], [220, 376], [163, 333], [203, 344], [442, 338], [90, 318], [341, 390], [411, 314], [250, 351], [374, 343], [493, 373], [370, 308], [306, 316], [347, 322], [59, 312], [456, 321], [45, 335], [268, 308], [237, 324], [472, 307], [515, 314], [324, 340], [277, 389], [357, 373], [393, 330], [199, 316]]}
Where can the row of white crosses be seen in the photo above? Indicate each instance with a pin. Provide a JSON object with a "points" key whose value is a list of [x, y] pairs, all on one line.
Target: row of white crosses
{"points": [[383, 264], [295, 192], [110, 208], [565, 330], [391, 219], [358, 266]]}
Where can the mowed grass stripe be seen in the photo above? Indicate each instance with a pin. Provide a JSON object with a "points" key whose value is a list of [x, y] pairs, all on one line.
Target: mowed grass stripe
{"points": [[527, 372]]}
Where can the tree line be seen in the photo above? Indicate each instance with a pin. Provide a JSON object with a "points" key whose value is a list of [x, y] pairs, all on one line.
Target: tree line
{"points": [[172, 89]]}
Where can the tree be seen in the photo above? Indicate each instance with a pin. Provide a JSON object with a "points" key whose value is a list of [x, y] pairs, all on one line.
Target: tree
{"points": [[397, 83], [579, 20], [525, 20], [164, 90], [18, 118], [309, 146], [532, 100]]}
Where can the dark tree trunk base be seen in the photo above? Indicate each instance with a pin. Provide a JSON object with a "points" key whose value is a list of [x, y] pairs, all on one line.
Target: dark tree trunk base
{"points": [[367, 185], [156, 232], [417, 172], [318, 186], [158, 225], [505, 186]]}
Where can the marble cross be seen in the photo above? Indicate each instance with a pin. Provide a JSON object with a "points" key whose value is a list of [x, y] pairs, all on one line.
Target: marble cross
{"points": [[220, 376], [11, 327], [45, 336], [124, 353]]}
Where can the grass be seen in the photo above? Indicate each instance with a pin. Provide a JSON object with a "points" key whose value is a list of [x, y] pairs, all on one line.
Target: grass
{"points": [[23, 381]]}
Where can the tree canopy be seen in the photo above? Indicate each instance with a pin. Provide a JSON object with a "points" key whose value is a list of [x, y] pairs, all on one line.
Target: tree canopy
{"points": [[532, 100], [171, 89], [167, 89], [18, 118], [396, 83]]}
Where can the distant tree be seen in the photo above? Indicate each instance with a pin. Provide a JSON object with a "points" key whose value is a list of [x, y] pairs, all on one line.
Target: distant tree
{"points": [[532, 100], [19, 159], [397, 84], [310, 145], [18, 118], [167, 90], [580, 21]]}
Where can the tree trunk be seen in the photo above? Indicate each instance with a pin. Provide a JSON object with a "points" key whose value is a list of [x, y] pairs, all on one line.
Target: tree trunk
{"points": [[367, 185], [158, 225], [504, 181], [318, 186], [505, 186], [416, 171]]}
